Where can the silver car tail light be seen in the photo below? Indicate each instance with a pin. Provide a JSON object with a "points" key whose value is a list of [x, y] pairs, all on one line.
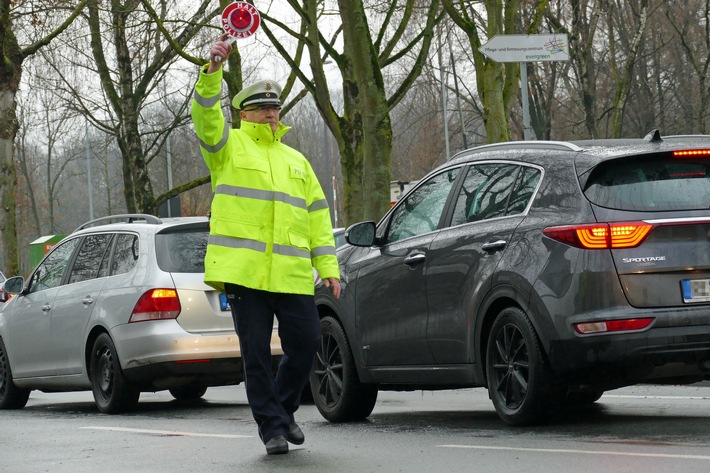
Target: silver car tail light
{"points": [[156, 304]]}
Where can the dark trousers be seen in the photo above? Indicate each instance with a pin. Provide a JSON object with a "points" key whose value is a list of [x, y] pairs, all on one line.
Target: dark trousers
{"points": [[274, 398]]}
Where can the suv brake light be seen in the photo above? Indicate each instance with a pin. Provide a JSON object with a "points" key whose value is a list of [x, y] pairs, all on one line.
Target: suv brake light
{"points": [[156, 304], [599, 236], [691, 153]]}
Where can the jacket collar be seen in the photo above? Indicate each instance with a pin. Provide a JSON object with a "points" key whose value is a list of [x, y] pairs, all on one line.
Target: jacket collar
{"points": [[262, 131]]}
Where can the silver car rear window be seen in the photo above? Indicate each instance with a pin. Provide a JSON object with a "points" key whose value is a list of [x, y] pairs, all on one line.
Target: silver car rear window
{"points": [[658, 182], [182, 251]]}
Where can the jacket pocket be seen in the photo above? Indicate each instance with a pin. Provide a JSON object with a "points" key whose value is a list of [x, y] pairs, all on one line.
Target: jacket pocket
{"points": [[236, 229], [299, 240], [251, 163]]}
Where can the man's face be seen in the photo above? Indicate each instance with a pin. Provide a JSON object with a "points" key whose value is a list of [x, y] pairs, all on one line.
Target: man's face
{"points": [[262, 114]]}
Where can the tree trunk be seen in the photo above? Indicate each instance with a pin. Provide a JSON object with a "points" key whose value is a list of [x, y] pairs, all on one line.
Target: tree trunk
{"points": [[364, 131], [10, 75], [8, 173], [372, 130], [497, 83]]}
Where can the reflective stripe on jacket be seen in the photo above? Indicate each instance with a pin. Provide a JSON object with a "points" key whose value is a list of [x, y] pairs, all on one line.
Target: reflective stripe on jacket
{"points": [[270, 222]]}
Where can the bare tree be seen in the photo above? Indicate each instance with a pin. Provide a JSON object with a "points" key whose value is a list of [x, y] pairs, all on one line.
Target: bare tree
{"points": [[10, 76], [580, 21], [496, 83], [620, 16], [130, 66], [59, 125], [373, 39], [692, 26]]}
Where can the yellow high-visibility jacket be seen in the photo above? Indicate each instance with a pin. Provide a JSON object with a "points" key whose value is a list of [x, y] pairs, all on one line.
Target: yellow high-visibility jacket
{"points": [[270, 222]]}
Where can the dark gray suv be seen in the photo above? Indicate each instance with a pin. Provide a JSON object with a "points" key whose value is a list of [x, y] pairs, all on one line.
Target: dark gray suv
{"points": [[548, 272]]}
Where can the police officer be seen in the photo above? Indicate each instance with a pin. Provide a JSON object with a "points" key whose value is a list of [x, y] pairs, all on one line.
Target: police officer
{"points": [[270, 225]]}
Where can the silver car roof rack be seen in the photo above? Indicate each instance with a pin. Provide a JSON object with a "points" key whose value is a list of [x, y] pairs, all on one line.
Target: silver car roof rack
{"points": [[128, 218], [553, 145]]}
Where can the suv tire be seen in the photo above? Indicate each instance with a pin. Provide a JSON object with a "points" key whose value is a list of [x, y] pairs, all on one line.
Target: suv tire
{"points": [[337, 391], [11, 397], [519, 381], [112, 392]]}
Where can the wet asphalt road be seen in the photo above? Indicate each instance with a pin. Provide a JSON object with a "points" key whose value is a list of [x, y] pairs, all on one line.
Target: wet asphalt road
{"points": [[645, 429]]}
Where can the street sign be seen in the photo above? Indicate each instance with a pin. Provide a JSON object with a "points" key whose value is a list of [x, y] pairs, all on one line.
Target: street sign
{"points": [[523, 49], [527, 48]]}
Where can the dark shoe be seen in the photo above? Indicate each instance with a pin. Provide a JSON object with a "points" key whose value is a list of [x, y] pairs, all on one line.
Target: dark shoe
{"points": [[276, 445], [295, 434]]}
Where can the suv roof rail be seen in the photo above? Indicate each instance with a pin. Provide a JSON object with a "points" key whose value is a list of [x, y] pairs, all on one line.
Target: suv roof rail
{"points": [[551, 145], [129, 218], [683, 137]]}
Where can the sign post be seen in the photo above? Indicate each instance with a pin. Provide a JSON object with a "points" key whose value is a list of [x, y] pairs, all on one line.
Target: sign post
{"points": [[524, 49]]}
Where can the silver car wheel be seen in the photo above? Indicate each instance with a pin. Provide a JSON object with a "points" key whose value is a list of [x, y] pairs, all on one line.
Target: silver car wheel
{"points": [[11, 397], [113, 393]]}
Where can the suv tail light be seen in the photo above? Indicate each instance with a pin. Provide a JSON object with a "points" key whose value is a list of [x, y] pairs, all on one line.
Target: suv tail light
{"points": [[156, 304], [599, 236]]}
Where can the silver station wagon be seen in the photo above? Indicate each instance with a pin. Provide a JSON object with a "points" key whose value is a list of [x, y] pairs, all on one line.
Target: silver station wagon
{"points": [[119, 309]]}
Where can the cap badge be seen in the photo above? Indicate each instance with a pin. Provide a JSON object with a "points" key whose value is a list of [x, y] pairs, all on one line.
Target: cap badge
{"points": [[268, 86]]}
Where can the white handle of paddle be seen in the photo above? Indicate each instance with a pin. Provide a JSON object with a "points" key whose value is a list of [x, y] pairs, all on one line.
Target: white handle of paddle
{"points": [[229, 41]]}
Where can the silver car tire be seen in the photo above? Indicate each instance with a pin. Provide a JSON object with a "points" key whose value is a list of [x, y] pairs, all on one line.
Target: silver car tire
{"points": [[112, 392], [337, 391], [11, 397]]}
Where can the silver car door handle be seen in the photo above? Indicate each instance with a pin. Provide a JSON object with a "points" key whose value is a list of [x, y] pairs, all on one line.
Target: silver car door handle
{"points": [[87, 300], [494, 245], [414, 259], [46, 308]]}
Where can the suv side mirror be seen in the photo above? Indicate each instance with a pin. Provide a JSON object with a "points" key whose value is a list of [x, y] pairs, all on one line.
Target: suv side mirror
{"points": [[361, 234], [11, 287]]}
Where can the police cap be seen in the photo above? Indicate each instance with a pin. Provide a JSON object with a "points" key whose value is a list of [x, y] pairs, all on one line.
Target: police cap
{"points": [[265, 92]]}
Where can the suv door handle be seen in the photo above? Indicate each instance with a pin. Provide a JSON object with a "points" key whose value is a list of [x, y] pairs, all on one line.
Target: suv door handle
{"points": [[415, 259], [493, 246], [87, 300], [46, 308]]}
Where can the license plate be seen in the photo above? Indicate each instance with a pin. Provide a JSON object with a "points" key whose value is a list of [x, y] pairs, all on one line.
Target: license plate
{"points": [[224, 305], [696, 290]]}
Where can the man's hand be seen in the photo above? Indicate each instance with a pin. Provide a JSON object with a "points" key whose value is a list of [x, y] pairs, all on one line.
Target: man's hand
{"points": [[335, 284], [221, 49]]}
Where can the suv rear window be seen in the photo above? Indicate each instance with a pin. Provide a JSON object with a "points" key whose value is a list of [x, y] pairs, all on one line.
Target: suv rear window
{"points": [[182, 251], [651, 183]]}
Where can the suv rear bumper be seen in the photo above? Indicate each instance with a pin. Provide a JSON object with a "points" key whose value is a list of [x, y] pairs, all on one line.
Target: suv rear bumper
{"points": [[659, 354]]}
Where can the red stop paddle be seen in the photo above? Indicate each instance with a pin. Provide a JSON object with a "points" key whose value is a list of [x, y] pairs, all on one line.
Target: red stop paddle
{"points": [[239, 20]]}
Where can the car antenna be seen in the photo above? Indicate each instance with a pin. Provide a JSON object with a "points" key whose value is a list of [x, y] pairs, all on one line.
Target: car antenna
{"points": [[654, 136]]}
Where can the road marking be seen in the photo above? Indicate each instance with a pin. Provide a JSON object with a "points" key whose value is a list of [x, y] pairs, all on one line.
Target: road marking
{"points": [[168, 432], [641, 396], [587, 452]]}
